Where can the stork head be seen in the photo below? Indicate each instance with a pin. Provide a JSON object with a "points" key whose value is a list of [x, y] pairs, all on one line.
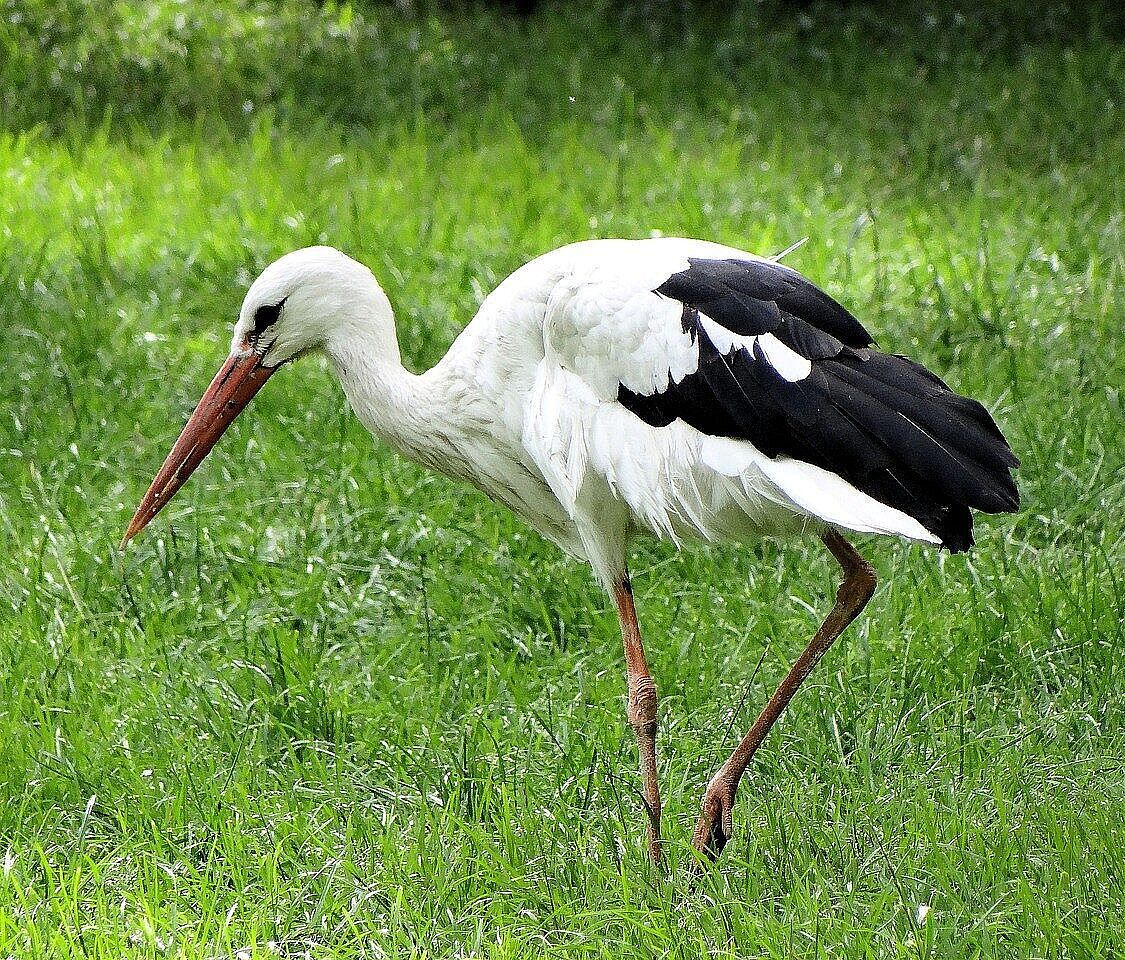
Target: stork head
{"points": [[303, 302]]}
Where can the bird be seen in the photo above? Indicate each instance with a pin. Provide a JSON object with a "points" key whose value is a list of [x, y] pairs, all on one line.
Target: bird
{"points": [[663, 388]]}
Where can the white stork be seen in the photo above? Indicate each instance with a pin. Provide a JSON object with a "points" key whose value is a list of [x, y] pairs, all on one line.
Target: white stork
{"points": [[615, 388]]}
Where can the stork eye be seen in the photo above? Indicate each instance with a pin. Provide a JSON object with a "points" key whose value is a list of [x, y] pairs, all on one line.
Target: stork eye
{"points": [[265, 316]]}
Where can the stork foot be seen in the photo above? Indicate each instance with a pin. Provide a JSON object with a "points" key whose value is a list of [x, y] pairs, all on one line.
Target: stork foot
{"points": [[716, 821]]}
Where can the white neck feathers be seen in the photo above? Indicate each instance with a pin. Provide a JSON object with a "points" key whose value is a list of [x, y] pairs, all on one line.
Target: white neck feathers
{"points": [[400, 407]]}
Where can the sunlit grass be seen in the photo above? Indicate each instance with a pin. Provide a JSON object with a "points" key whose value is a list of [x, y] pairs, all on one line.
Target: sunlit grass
{"points": [[330, 703]]}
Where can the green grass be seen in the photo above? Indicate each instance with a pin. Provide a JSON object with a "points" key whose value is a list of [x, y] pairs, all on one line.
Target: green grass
{"points": [[332, 705]]}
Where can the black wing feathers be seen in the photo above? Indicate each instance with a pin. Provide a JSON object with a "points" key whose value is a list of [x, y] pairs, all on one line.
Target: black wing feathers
{"points": [[884, 423], [749, 298]]}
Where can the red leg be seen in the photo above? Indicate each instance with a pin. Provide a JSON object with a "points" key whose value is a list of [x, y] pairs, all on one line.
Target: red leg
{"points": [[715, 825], [642, 710]]}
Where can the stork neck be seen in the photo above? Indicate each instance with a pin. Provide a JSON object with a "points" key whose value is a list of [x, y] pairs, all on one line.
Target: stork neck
{"points": [[396, 405]]}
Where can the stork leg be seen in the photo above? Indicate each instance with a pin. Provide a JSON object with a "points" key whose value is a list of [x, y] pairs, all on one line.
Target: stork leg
{"points": [[715, 825], [642, 709]]}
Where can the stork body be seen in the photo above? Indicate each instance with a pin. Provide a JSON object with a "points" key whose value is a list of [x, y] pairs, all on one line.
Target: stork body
{"points": [[615, 388]]}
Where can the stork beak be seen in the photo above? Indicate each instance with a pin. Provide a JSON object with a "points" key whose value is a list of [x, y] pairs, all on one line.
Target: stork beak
{"points": [[234, 386]]}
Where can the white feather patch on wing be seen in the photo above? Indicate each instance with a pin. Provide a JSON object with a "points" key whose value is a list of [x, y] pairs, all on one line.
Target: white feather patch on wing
{"points": [[790, 364], [725, 340], [812, 490], [787, 362]]}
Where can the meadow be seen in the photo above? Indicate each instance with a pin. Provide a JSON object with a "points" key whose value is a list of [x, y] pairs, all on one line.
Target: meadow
{"points": [[330, 705]]}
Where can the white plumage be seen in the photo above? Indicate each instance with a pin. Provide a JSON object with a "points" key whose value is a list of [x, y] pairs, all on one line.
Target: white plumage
{"points": [[664, 387]]}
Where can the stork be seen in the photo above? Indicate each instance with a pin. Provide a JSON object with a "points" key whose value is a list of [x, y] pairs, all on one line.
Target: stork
{"points": [[667, 388]]}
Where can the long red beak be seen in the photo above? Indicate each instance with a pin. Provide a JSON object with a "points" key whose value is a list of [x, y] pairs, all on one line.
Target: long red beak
{"points": [[233, 387]]}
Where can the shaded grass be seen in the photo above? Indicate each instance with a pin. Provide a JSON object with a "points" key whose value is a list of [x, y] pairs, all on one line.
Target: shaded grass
{"points": [[336, 705]]}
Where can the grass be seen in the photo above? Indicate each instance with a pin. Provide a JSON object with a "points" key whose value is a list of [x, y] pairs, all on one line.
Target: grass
{"points": [[334, 706]]}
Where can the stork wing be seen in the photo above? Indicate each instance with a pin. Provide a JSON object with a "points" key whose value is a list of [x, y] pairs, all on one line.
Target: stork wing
{"points": [[748, 349]]}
